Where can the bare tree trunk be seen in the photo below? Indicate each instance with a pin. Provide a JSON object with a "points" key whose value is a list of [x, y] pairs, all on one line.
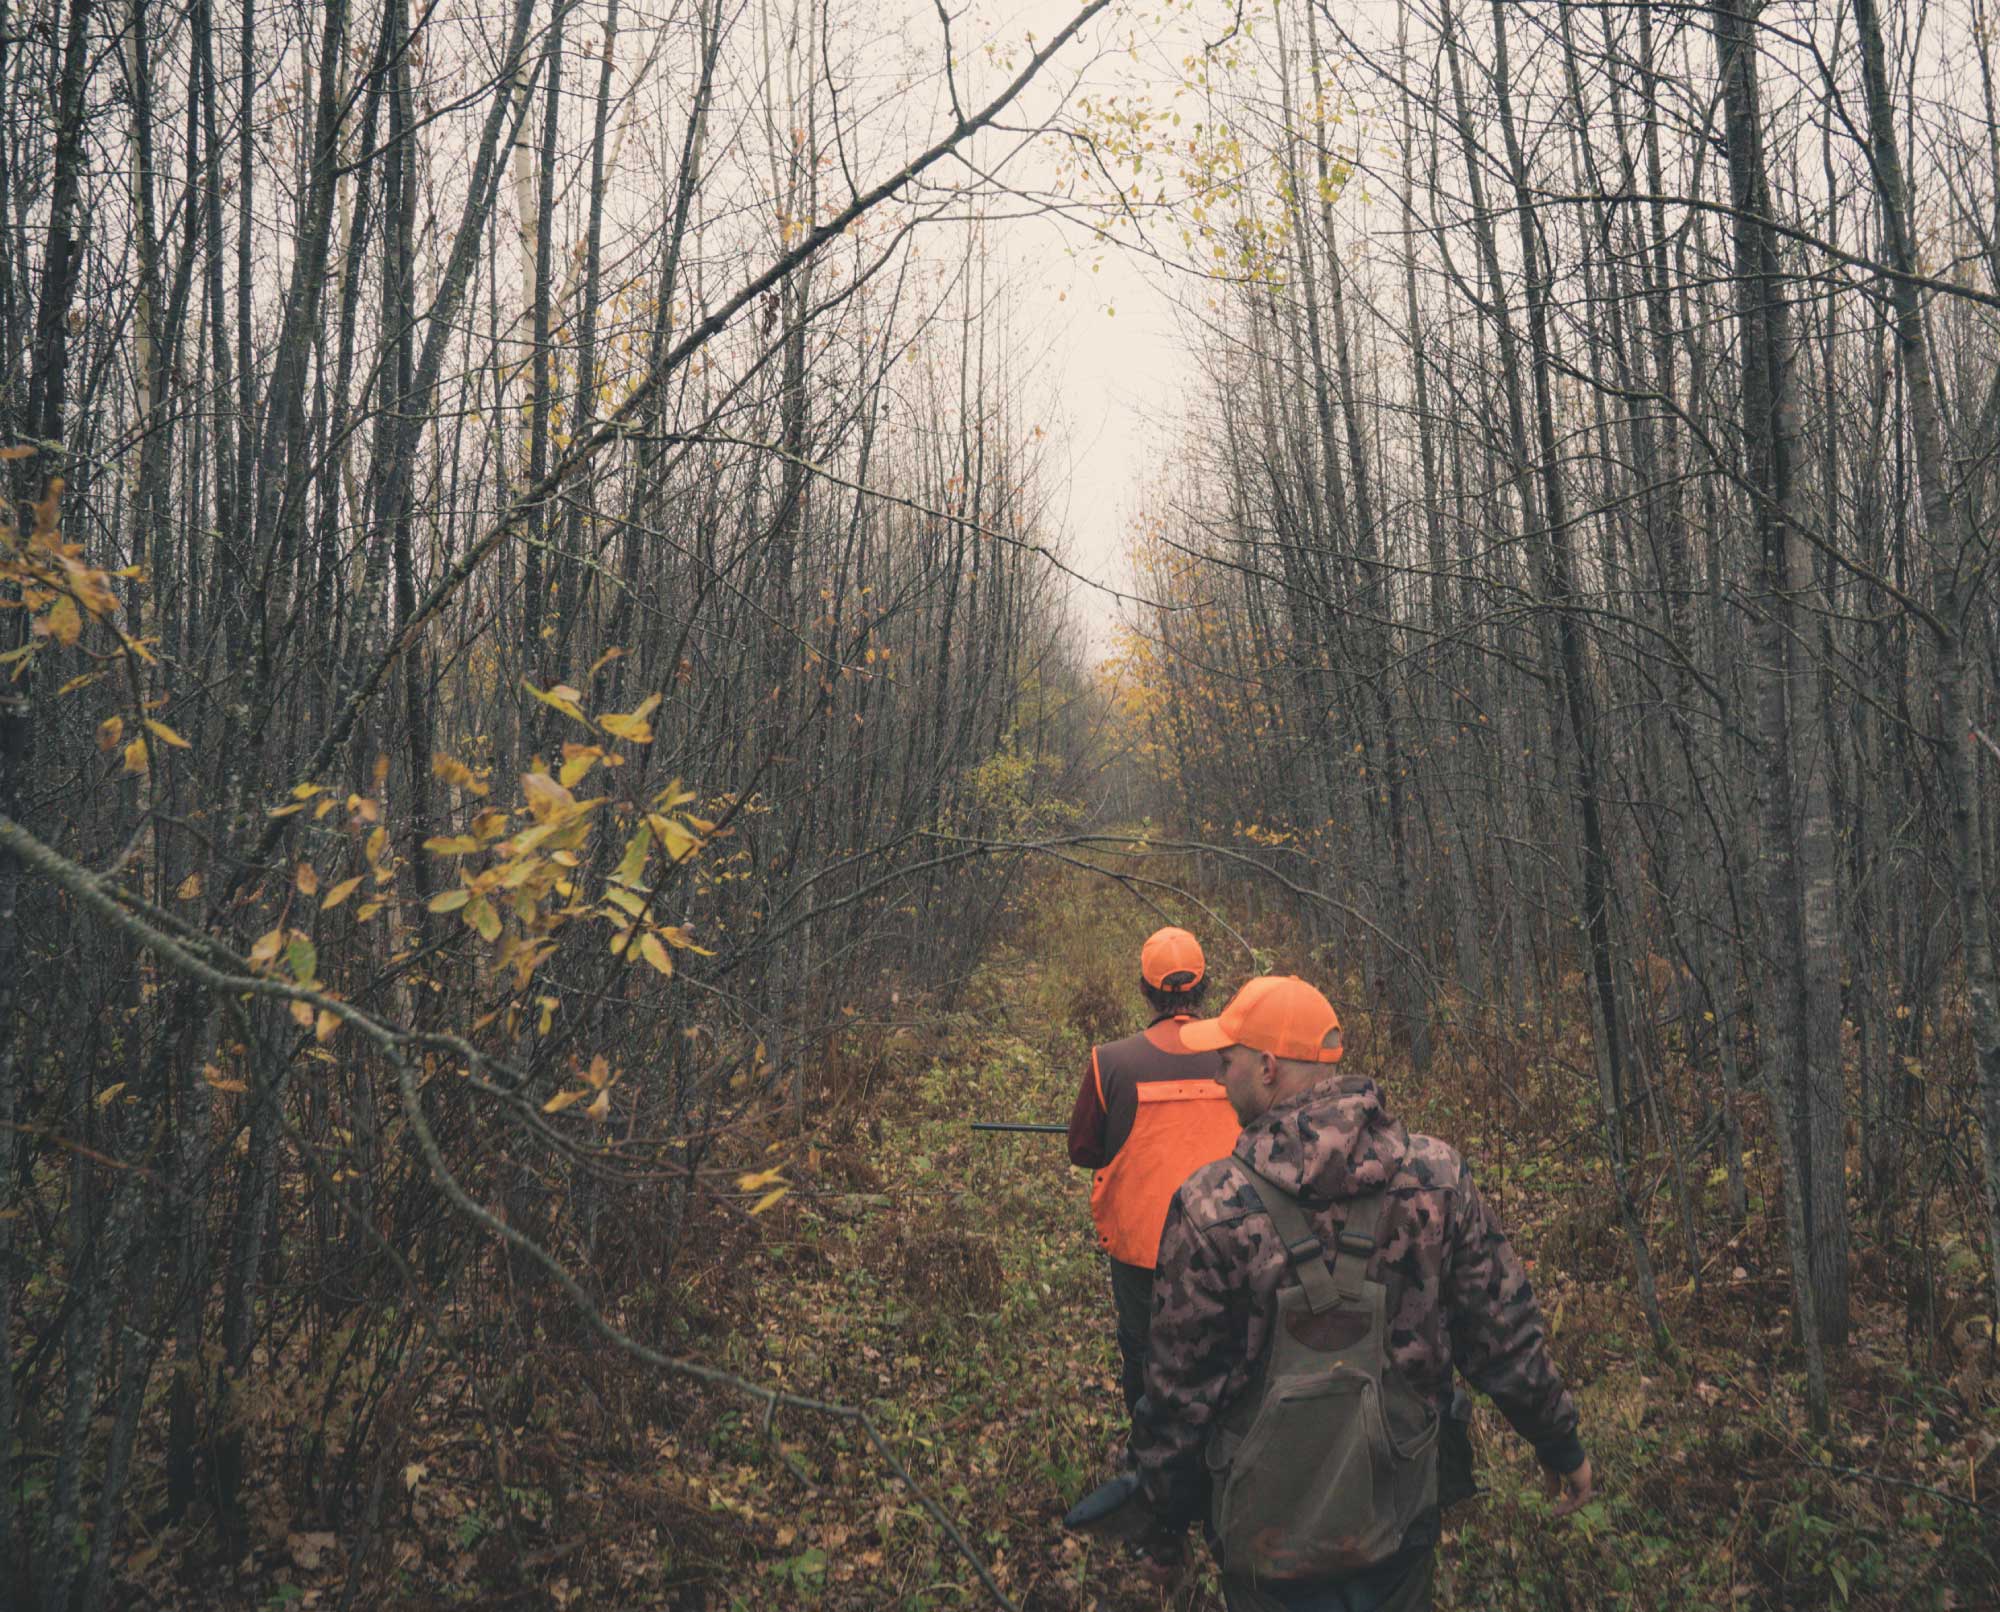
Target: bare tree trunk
{"points": [[1768, 429], [1961, 574]]}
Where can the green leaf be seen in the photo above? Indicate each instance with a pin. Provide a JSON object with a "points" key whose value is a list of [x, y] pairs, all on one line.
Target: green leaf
{"points": [[302, 957]]}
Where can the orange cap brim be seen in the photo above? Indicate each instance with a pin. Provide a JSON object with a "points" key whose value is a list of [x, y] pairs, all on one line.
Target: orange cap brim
{"points": [[1206, 1035]]}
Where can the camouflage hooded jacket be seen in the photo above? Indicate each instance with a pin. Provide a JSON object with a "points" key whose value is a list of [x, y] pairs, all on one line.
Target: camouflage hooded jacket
{"points": [[1457, 1294]]}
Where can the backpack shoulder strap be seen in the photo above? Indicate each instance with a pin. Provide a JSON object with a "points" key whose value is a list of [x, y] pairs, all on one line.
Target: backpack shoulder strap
{"points": [[1306, 1253], [1357, 1243]]}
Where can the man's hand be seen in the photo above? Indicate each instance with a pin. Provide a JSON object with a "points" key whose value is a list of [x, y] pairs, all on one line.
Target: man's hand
{"points": [[1571, 1490], [1160, 1556]]}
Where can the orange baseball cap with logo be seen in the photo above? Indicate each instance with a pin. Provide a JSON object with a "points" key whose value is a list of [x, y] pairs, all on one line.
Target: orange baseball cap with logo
{"points": [[1277, 1013], [1171, 960]]}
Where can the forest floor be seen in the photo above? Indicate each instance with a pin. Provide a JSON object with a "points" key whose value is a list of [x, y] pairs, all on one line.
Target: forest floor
{"points": [[949, 1283]]}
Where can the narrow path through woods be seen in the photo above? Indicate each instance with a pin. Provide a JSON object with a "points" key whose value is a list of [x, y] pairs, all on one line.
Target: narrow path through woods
{"points": [[950, 1282]]}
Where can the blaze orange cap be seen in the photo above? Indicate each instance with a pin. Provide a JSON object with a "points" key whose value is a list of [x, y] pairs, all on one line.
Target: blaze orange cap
{"points": [[1277, 1013], [1171, 960]]}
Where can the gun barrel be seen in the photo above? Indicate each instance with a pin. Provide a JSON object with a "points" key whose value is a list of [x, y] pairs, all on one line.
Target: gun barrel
{"points": [[992, 1125]]}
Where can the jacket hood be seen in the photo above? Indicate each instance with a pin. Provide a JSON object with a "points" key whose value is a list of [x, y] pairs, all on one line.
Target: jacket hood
{"points": [[1334, 1141]]}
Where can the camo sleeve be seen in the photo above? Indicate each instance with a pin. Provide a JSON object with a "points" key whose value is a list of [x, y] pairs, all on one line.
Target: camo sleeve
{"points": [[1496, 1333], [1197, 1343]]}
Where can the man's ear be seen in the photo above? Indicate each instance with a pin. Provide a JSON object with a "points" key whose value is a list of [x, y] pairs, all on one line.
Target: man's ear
{"points": [[1268, 1070]]}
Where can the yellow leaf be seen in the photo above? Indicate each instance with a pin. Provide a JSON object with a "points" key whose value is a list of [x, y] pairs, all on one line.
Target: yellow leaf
{"points": [[768, 1199], [679, 842], [136, 760], [109, 1094], [601, 1107], [451, 844], [634, 905], [62, 623], [306, 880], [547, 799], [548, 1006], [377, 843], [325, 1025], [220, 1082], [304, 791], [189, 888], [599, 1073], [656, 954], [302, 1014], [109, 732], [578, 759], [632, 865], [489, 825], [562, 697], [366, 910], [632, 726], [322, 808], [762, 1178], [166, 735], [458, 774], [562, 1100], [340, 892], [480, 915], [450, 901]]}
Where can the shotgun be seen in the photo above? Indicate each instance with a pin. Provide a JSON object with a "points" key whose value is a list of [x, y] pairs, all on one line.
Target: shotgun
{"points": [[992, 1125]]}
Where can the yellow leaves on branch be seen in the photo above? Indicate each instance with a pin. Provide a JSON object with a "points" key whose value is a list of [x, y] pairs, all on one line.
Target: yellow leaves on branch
{"points": [[598, 1080], [458, 774], [50, 579], [520, 872]]}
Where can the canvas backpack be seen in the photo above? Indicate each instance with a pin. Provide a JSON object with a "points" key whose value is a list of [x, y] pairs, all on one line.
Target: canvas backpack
{"points": [[1322, 1466]]}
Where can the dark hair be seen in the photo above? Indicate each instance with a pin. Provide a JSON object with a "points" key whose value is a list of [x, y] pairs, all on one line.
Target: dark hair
{"points": [[1186, 1000]]}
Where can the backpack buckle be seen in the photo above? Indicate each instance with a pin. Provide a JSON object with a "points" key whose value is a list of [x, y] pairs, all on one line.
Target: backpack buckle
{"points": [[1352, 1242], [1308, 1248]]}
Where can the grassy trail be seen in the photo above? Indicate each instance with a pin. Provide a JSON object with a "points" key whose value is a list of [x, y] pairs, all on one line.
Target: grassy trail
{"points": [[951, 1283]]}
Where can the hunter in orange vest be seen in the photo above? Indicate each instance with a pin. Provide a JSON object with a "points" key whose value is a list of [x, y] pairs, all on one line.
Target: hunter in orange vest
{"points": [[1150, 1113]]}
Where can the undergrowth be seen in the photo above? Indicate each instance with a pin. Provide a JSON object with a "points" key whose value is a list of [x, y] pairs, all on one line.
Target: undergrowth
{"points": [[949, 1282]]}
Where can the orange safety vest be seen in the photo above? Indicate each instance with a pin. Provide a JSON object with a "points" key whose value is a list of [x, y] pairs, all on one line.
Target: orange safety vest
{"points": [[1181, 1121]]}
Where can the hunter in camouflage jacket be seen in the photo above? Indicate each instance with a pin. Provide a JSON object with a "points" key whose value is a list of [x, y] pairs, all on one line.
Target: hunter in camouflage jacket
{"points": [[1457, 1294]]}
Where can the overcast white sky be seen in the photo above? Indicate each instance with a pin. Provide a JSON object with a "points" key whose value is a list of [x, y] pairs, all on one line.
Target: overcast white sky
{"points": [[1115, 379]]}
